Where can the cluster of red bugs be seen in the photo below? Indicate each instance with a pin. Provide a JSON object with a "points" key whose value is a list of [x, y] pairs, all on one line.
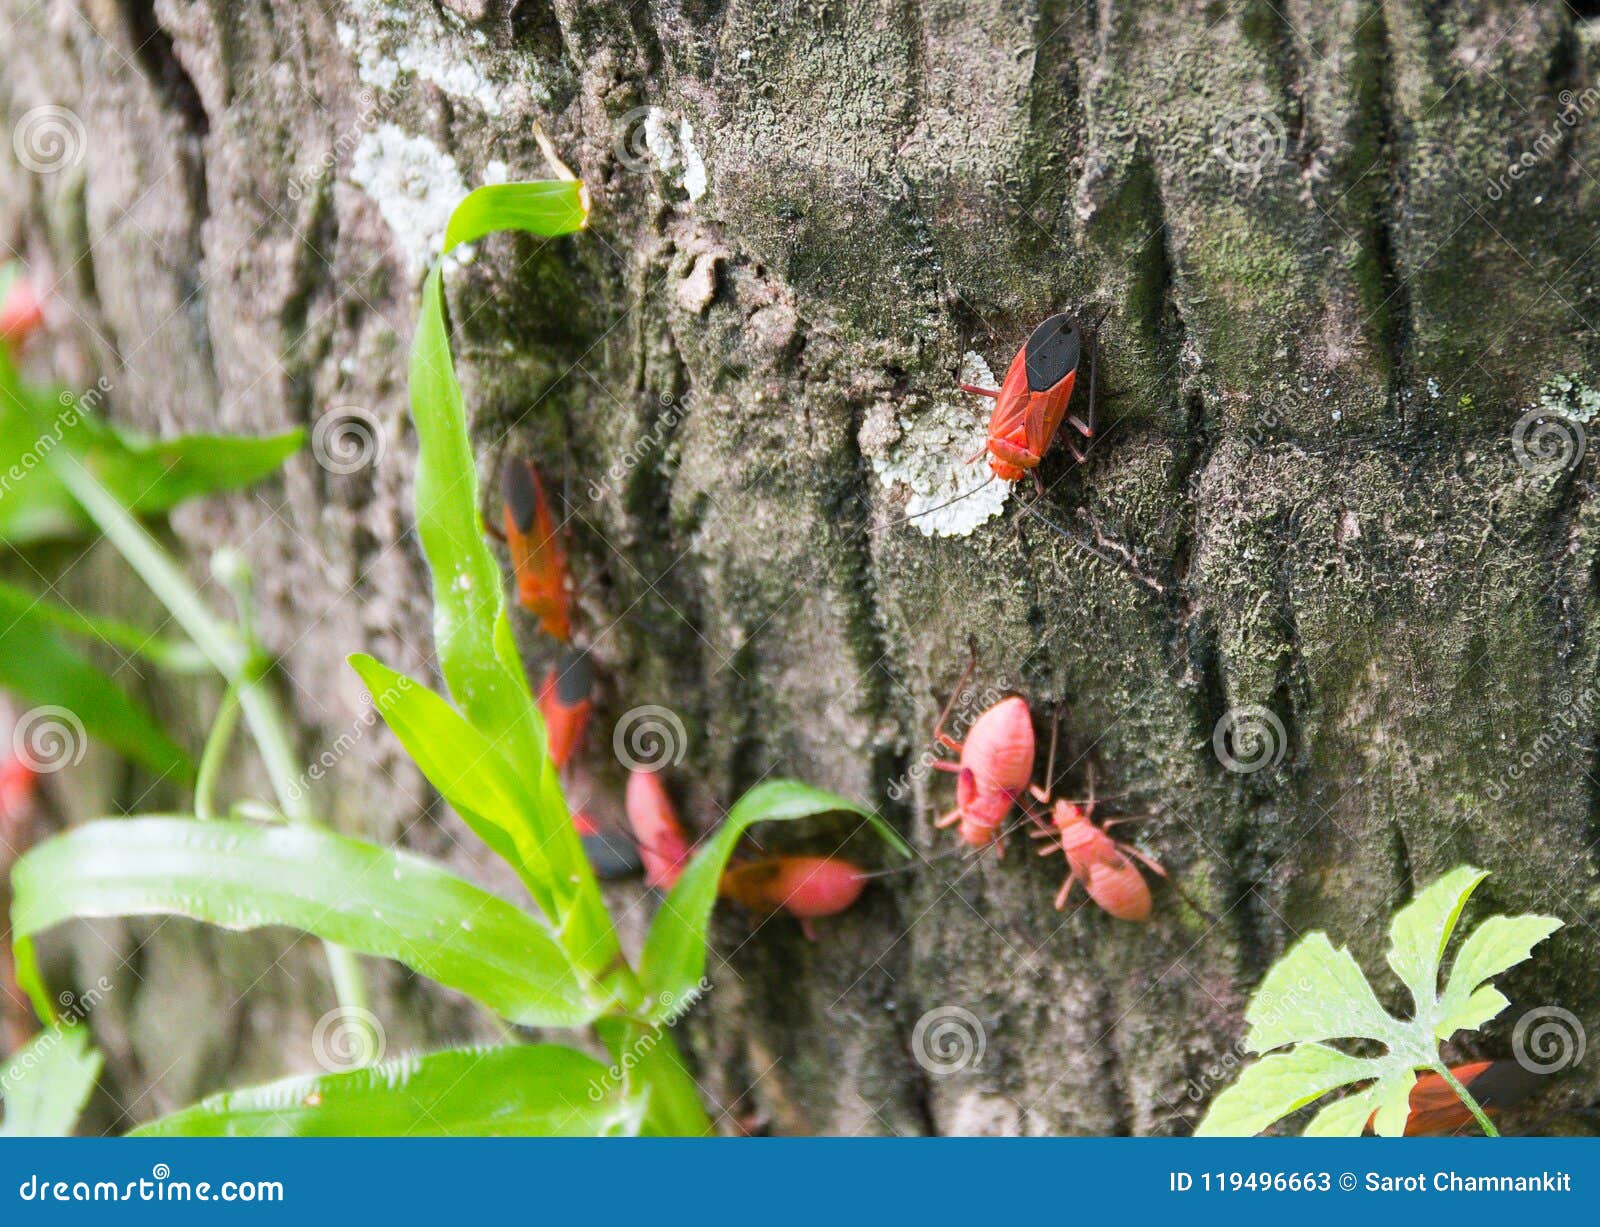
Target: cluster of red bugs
{"points": [[805, 887], [994, 776]]}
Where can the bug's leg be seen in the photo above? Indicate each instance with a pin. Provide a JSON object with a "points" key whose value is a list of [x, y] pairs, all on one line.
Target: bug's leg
{"points": [[939, 735], [492, 529], [991, 393], [1038, 483], [808, 928], [1065, 892], [948, 820], [1149, 862]]}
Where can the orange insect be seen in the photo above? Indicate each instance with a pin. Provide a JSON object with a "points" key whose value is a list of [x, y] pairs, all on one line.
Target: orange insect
{"points": [[806, 887], [1107, 867], [565, 703], [1436, 1110], [662, 844], [995, 768], [1033, 398], [538, 557]]}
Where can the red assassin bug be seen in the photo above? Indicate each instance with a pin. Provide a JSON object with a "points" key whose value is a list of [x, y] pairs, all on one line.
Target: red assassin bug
{"points": [[1105, 866], [804, 886], [662, 843], [1033, 398], [538, 558], [1437, 1111], [995, 768], [565, 703], [20, 313]]}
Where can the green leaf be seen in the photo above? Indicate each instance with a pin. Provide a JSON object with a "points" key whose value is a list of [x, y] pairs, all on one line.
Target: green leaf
{"points": [[72, 696], [470, 774], [542, 1090], [1421, 930], [46, 1083], [178, 655], [1315, 992], [472, 632], [370, 899], [148, 476], [674, 959], [549, 208], [1497, 945], [1271, 1088]]}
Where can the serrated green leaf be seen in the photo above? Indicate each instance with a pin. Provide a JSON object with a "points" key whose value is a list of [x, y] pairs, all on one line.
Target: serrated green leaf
{"points": [[1484, 1004], [1315, 992], [1421, 930], [1391, 1099], [46, 1083], [372, 900], [1344, 1118], [541, 1090], [1278, 1084], [1497, 945], [47, 673], [674, 958], [470, 774]]}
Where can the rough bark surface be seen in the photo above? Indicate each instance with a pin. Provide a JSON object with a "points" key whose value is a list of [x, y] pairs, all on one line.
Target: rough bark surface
{"points": [[1329, 307]]}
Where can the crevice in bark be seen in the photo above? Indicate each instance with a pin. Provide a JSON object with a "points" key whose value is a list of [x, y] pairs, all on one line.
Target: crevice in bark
{"points": [[1265, 24], [1378, 196], [1404, 873]]}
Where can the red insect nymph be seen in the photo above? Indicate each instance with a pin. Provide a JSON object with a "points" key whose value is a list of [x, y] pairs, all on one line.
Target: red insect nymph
{"points": [[996, 768], [803, 886], [1032, 401], [538, 559]]}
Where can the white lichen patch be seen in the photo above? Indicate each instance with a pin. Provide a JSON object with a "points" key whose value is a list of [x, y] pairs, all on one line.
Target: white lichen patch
{"points": [[949, 496], [1570, 397], [415, 185], [675, 152], [391, 41]]}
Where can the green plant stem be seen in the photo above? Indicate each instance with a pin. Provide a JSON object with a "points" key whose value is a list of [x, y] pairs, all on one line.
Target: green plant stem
{"points": [[234, 657], [1465, 1096], [211, 758]]}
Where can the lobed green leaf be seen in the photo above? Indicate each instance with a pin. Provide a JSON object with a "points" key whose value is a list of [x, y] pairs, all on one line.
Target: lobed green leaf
{"points": [[1278, 1084]]}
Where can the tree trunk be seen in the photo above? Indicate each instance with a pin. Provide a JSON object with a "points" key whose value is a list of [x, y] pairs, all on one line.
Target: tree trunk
{"points": [[1340, 633]]}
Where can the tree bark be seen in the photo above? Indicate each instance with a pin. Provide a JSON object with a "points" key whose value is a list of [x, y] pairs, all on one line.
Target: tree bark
{"points": [[1331, 303]]}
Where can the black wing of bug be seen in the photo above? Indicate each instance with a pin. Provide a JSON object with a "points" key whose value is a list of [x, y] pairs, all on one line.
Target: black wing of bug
{"points": [[1052, 352], [521, 497], [574, 677]]}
